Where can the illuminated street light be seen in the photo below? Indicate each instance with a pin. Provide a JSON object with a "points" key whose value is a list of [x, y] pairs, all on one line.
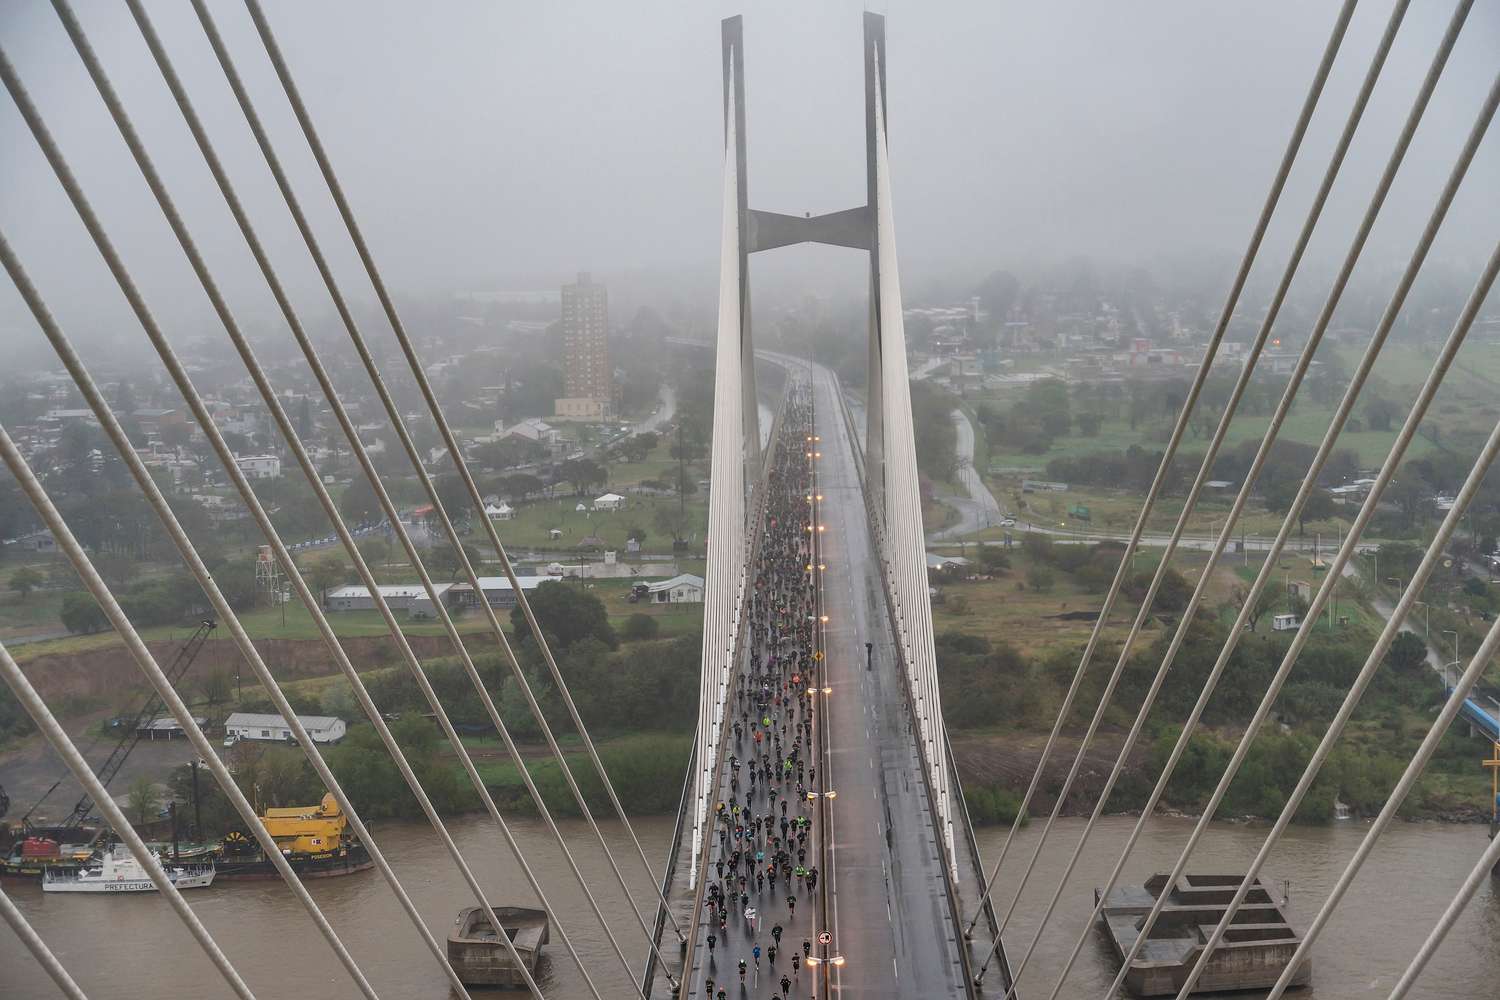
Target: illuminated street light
{"points": [[828, 690], [837, 960], [824, 619]]}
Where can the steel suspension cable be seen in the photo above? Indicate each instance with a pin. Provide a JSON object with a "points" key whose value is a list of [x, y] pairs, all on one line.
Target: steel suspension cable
{"points": [[283, 73], [38, 948], [1200, 588], [1242, 274], [63, 745], [1481, 871], [1424, 752], [1357, 689], [394, 414], [361, 454], [146, 662], [1283, 408], [200, 411], [122, 121], [1351, 541]]}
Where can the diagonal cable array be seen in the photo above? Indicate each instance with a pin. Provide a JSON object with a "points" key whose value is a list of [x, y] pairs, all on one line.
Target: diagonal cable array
{"points": [[1393, 625], [142, 656], [1299, 131], [1371, 352], [39, 950], [1325, 450], [348, 428], [39, 130], [450, 440], [1304, 361], [221, 449]]}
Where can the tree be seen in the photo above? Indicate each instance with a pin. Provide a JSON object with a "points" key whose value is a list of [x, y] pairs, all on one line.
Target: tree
{"points": [[325, 573], [993, 559], [638, 627], [1380, 413], [1319, 507], [584, 474], [1408, 653], [566, 613], [636, 534], [375, 551], [1264, 602], [214, 688], [117, 570], [143, 800], [24, 580], [358, 502], [673, 522], [81, 615], [446, 558]]}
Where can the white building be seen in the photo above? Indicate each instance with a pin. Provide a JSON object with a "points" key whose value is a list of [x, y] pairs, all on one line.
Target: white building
{"points": [[609, 501], [259, 466], [398, 596], [684, 588], [530, 429], [252, 726]]}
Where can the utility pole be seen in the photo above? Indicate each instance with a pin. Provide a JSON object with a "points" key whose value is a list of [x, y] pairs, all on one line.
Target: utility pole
{"points": [[681, 474], [197, 812]]}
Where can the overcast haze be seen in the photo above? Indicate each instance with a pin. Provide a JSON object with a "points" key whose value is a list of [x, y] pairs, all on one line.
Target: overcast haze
{"points": [[493, 146]]}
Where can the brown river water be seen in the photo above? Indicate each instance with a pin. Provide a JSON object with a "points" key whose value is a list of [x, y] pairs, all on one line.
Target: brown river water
{"points": [[133, 948]]}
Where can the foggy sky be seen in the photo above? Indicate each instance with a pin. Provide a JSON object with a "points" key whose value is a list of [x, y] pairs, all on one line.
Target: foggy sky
{"points": [[504, 145]]}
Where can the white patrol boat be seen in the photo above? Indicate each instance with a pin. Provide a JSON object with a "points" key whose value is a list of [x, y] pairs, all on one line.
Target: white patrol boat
{"points": [[119, 871]]}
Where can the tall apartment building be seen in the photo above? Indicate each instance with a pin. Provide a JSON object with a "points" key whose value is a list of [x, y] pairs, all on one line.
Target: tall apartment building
{"points": [[588, 374]]}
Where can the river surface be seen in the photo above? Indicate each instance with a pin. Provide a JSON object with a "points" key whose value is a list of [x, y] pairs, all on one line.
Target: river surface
{"points": [[133, 948]]}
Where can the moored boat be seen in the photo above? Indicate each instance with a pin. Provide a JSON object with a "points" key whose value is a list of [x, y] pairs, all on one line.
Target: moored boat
{"points": [[479, 956], [119, 871]]}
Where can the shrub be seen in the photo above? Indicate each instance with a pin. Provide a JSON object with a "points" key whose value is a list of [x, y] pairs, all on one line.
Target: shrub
{"points": [[638, 627]]}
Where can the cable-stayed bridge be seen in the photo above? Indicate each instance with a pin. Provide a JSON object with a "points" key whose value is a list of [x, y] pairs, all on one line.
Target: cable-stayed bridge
{"points": [[822, 814]]}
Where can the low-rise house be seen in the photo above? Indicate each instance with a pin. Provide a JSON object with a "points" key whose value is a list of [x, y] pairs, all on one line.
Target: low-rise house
{"points": [[685, 588], [255, 726]]}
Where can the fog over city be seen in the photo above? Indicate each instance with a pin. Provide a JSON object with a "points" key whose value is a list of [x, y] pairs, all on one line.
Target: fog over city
{"points": [[503, 146]]}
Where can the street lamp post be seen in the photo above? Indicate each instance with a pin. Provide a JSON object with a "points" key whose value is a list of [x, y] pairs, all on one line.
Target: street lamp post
{"points": [[1454, 633]]}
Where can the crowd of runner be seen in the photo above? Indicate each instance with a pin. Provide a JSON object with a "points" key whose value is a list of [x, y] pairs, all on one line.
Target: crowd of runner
{"points": [[763, 859]]}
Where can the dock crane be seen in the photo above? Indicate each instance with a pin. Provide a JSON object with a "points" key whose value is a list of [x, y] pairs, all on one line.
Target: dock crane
{"points": [[131, 731]]}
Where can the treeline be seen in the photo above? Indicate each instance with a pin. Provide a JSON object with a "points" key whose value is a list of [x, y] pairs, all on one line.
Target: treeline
{"points": [[988, 684]]}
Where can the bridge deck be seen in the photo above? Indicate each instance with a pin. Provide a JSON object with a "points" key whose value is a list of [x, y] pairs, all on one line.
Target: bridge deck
{"points": [[892, 918]]}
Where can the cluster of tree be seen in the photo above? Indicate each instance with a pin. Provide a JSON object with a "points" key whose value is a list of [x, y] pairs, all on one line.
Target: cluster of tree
{"points": [[987, 684], [984, 683], [507, 453], [936, 438], [171, 600], [636, 447], [584, 474], [1131, 469]]}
